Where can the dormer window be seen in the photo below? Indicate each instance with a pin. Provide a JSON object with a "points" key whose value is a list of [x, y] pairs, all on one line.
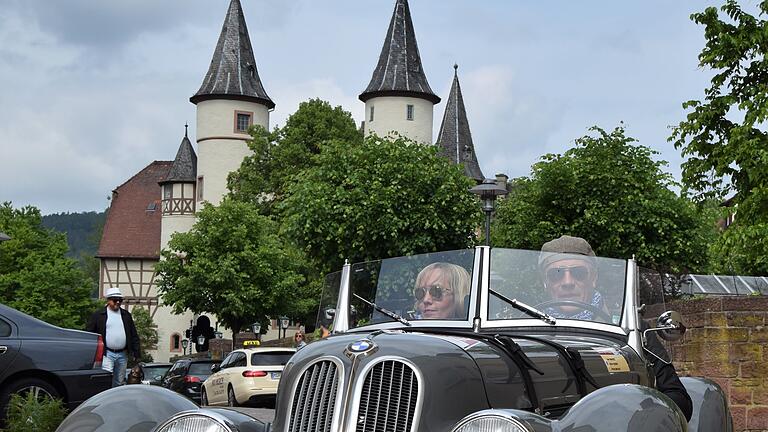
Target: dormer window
{"points": [[243, 120], [409, 112]]}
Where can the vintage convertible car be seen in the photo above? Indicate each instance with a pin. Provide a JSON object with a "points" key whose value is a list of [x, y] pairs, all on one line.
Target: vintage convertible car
{"points": [[506, 361]]}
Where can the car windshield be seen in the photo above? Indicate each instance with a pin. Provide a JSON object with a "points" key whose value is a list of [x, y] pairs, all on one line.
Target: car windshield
{"points": [[433, 286], [559, 285], [203, 368], [271, 358], [155, 371]]}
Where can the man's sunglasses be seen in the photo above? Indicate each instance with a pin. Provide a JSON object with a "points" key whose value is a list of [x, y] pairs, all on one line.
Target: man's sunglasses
{"points": [[557, 274], [435, 291], [115, 299]]}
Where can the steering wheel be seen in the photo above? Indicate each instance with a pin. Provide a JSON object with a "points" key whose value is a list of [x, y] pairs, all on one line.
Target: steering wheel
{"points": [[577, 304]]}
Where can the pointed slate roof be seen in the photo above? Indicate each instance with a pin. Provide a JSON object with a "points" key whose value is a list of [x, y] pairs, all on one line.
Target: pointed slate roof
{"points": [[184, 168], [455, 139], [399, 71], [233, 74], [132, 226]]}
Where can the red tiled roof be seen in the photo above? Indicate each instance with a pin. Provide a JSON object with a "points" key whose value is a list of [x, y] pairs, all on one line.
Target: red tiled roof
{"points": [[131, 229]]}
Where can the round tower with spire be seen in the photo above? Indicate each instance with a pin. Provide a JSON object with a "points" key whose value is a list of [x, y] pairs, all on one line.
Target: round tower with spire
{"points": [[399, 98], [178, 193], [230, 100]]}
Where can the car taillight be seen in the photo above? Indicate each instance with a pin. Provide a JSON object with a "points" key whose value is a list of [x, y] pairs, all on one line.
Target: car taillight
{"points": [[99, 353], [191, 379], [254, 374]]}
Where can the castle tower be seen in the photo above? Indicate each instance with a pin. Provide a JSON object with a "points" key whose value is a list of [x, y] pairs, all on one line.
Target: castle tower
{"points": [[230, 100], [455, 139], [399, 98], [178, 193]]}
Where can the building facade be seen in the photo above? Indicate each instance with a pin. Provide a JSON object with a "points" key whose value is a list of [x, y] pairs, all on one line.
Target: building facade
{"points": [[162, 198]]}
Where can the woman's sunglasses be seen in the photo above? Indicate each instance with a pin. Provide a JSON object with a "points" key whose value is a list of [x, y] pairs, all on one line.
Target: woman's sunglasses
{"points": [[435, 291], [557, 274]]}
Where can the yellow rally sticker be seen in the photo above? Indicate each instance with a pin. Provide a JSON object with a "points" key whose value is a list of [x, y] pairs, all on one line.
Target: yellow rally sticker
{"points": [[615, 363]]}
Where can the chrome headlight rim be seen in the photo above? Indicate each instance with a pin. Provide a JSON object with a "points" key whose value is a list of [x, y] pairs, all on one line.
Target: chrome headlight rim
{"points": [[493, 414], [217, 418]]}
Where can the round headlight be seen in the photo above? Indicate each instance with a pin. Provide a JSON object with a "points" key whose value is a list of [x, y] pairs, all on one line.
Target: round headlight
{"points": [[195, 421], [489, 421]]}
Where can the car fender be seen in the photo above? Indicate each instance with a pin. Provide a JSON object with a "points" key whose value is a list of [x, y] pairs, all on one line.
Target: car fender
{"points": [[710, 406], [626, 408], [137, 408]]}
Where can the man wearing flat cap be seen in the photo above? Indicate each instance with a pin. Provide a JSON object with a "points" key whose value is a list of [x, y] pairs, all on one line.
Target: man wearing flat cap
{"points": [[117, 330], [569, 269]]}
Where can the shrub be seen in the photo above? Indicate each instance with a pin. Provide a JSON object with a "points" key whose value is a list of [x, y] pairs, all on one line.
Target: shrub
{"points": [[29, 413]]}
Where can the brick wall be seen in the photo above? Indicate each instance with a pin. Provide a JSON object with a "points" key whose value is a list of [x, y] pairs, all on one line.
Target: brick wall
{"points": [[727, 342]]}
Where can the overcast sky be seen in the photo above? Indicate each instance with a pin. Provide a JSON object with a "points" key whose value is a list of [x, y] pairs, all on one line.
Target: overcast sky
{"points": [[93, 90]]}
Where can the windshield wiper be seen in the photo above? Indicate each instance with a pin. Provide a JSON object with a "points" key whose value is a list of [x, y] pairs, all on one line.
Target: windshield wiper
{"points": [[530, 310], [386, 312]]}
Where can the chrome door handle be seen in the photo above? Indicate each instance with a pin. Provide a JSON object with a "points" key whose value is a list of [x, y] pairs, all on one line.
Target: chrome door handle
{"points": [[3, 349]]}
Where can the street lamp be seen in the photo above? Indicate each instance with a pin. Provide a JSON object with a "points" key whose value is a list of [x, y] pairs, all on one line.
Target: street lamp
{"points": [[184, 343], [4, 237], [284, 321], [488, 190]]}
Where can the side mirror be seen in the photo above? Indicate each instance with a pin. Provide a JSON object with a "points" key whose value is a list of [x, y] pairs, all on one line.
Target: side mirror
{"points": [[330, 313], [215, 368], [672, 326]]}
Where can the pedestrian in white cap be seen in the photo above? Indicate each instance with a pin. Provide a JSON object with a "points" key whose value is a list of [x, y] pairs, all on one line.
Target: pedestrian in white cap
{"points": [[118, 331]]}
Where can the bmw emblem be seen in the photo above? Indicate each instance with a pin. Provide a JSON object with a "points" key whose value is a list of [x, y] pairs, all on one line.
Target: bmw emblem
{"points": [[363, 346]]}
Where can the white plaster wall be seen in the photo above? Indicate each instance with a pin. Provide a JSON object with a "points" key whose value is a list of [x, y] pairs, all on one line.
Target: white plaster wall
{"points": [[167, 325], [390, 114], [173, 224], [220, 148]]}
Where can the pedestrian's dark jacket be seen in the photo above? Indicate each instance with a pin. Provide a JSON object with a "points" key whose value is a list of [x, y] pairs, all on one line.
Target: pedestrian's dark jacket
{"points": [[97, 323], [667, 380]]}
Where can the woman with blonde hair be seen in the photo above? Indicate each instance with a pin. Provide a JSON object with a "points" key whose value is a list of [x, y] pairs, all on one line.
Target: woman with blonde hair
{"points": [[440, 291]]}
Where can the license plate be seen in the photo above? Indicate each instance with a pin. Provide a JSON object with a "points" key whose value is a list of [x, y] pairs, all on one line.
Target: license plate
{"points": [[274, 375]]}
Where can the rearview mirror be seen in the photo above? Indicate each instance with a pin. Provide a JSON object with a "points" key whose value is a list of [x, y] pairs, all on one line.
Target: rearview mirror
{"points": [[670, 325]]}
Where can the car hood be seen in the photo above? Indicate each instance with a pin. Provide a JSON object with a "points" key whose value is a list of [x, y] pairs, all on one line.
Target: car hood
{"points": [[466, 372]]}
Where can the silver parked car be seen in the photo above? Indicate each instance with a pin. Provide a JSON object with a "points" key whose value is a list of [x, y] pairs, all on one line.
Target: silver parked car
{"points": [[477, 340]]}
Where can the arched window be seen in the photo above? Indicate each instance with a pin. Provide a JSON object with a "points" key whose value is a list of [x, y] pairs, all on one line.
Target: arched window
{"points": [[175, 342]]}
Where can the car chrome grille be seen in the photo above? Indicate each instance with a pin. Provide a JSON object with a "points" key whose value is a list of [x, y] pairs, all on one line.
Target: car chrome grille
{"points": [[314, 399], [388, 399]]}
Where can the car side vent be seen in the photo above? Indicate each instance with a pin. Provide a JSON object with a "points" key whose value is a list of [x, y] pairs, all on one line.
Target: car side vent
{"points": [[388, 399], [315, 397]]}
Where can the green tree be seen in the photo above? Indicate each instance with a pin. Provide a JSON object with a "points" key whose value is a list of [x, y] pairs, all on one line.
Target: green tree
{"points": [[380, 199], [235, 266], [147, 330], [36, 277], [279, 156], [724, 136], [611, 192]]}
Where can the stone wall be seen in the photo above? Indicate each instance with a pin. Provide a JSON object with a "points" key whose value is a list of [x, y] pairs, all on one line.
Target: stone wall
{"points": [[727, 342]]}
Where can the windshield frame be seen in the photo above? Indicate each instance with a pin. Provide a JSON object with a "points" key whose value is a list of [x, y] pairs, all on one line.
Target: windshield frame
{"points": [[479, 298]]}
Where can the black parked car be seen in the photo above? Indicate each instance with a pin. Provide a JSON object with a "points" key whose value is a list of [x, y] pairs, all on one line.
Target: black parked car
{"points": [[152, 372], [186, 376], [39, 357]]}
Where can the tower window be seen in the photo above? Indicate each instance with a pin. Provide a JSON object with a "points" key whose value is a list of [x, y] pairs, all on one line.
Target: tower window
{"points": [[370, 117], [200, 188], [409, 112], [243, 120], [168, 191]]}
